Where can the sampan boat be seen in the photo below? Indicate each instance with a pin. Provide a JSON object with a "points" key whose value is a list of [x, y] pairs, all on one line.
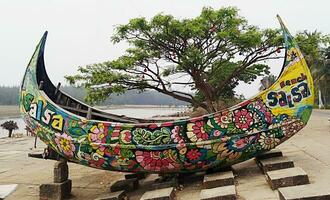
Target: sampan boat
{"points": [[94, 138]]}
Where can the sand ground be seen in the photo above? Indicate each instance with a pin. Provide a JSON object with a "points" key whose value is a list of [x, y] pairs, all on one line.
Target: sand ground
{"points": [[309, 149], [9, 111]]}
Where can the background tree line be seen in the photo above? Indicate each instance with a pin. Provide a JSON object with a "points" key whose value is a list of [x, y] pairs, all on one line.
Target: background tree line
{"points": [[9, 96]]}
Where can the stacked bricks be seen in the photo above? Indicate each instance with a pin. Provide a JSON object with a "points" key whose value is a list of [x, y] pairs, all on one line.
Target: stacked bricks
{"points": [[61, 188]]}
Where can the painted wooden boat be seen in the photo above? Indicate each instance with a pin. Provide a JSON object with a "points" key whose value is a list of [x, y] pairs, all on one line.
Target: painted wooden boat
{"points": [[94, 138]]}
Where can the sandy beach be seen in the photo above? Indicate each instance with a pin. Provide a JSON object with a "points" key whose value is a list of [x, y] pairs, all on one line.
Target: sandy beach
{"points": [[309, 149], [9, 112]]}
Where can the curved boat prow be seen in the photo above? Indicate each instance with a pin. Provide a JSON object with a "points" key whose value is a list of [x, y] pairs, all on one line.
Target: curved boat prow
{"points": [[88, 136]]}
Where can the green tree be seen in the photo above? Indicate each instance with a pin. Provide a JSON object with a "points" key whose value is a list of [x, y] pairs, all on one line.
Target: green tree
{"points": [[209, 54], [10, 126], [321, 75], [316, 48], [312, 45]]}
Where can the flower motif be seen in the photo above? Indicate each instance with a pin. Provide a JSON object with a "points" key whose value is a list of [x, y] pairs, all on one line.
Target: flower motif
{"points": [[268, 117], [259, 105], [194, 154], [241, 143], [177, 138], [157, 160], [223, 153], [291, 127], [97, 136], [96, 133], [64, 143], [243, 119], [268, 142], [292, 54], [196, 131], [224, 120], [216, 133]]}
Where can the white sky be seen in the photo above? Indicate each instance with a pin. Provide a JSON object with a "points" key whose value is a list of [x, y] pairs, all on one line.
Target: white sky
{"points": [[80, 30]]}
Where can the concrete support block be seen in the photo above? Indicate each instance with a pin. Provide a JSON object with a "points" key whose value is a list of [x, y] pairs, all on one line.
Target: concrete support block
{"points": [[275, 163], [127, 185], [55, 191], [61, 171], [219, 193], [304, 192], [120, 195], [218, 179], [160, 194], [287, 177], [270, 154]]}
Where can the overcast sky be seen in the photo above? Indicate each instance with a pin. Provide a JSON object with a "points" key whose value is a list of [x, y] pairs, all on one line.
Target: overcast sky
{"points": [[80, 30]]}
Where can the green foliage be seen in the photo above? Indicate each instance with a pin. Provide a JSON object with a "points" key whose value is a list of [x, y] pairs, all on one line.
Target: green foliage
{"points": [[312, 45], [215, 50], [316, 49], [10, 126]]}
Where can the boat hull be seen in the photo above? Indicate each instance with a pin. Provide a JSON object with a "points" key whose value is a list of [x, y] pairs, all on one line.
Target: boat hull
{"points": [[212, 141]]}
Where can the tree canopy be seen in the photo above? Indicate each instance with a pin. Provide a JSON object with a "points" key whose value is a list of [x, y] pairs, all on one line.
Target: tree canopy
{"points": [[316, 49], [10, 126], [208, 54]]}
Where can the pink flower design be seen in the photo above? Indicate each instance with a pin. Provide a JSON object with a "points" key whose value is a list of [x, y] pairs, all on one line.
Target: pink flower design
{"points": [[241, 143], [196, 131], [177, 138], [259, 105], [96, 133], [97, 136], [193, 154], [243, 119], [268, 117], [157, 160], [216, 133], [64, 143]]}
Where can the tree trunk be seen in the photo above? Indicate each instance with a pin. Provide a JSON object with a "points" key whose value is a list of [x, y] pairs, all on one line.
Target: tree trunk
{"points": [[206, 89], [10, 132], [210, 106]]}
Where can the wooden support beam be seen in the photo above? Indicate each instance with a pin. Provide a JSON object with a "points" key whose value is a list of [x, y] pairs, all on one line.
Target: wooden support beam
{"points": [[89, 113]]}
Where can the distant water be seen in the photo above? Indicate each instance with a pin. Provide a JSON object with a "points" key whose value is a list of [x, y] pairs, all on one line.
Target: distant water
{"points": [[138, 112], [148, 112]]}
